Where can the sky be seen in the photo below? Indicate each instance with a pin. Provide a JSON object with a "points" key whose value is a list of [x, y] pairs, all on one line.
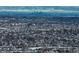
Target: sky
{"points": [[40, 10]]}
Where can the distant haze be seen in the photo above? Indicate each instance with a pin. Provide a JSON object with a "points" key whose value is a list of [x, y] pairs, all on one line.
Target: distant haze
{"points": [[40, 10]]}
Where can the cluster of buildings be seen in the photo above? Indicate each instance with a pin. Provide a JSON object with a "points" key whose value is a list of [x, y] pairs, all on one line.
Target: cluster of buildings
{"points": [[38, 37]]}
